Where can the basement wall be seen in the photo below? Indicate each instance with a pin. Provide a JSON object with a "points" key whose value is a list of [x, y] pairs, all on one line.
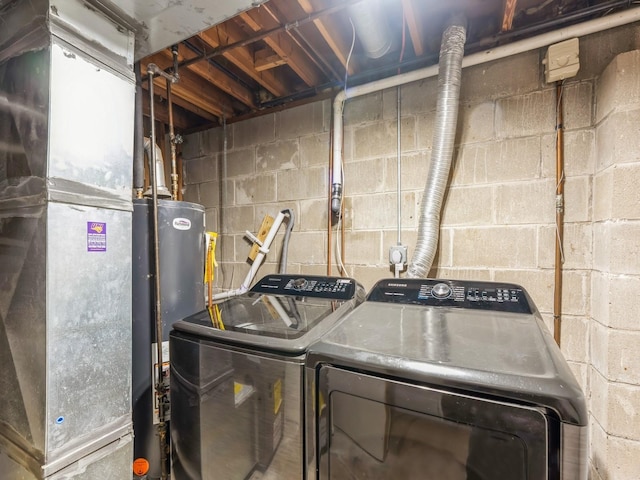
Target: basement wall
{"points": [[499, 213]]}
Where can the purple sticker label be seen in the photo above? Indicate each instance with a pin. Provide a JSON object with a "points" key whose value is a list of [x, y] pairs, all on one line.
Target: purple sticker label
{"points": [[96, 237]]}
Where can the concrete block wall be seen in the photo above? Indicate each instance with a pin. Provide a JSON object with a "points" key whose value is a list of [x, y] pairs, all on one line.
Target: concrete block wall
{"points": [[615, 324], [499, 213]]}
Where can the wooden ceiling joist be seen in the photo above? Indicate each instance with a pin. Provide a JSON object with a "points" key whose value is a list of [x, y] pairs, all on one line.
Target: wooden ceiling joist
{"points": [[282, 44], [415, 27], [194, 89], [242, 57], [215, 76], [332, 36], [160, 89], [509, 12]]}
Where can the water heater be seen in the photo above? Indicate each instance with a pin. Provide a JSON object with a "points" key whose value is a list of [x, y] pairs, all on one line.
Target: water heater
{"points": [[182, 254]]}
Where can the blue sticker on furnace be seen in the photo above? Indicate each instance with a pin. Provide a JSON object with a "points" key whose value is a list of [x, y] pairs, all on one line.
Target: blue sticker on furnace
{"points": [[96, 237]]}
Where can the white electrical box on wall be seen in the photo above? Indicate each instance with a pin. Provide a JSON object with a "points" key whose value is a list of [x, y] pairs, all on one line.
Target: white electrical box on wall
{"points": [[562, 60]]}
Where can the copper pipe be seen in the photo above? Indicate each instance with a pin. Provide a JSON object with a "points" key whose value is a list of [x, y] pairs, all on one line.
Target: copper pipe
{"points": [[559, 257], [172, 135]]}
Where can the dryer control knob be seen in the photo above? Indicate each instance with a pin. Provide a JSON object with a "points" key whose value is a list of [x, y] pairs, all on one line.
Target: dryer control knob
{"points": [[441, 290]]}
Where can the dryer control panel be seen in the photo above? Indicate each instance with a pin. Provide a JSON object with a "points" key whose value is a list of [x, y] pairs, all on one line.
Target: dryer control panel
{"points": [[337, 288], [503, 297]]}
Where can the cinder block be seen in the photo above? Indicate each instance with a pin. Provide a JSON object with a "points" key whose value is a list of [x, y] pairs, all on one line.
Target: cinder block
{"points": [[574, 338], [236, 219], [488, 80], [468, 205], [577, 105], [191, 193], [626, 201], [313, 215], [302, 184], [614, 353], [617, 139], [425, 126], [579, 153], [482, 274], [255, 131], [239, 163], [599, 49], [365, 177], [227, 193], [624, 411], [525, 202], [475, 123], [204, 169], [210, 194], [363, 248], [576, 287], [599, 348], [378, 211], [212, 140], [603, 195], [368, 276], [254, 190], [211, 219], [192, 146], [419, 97], [278, 156], [577, 199], [602, 246], [619, 85], [577, 246], [614, 301], [498, 162], [303, 120], [625, 248], [598, 395], [622, 458], [499, 247], [380, 139], [315, 150], [526, 115], [538, 283], [414, 169], [364, 109], [225, 249], [308, 248]]}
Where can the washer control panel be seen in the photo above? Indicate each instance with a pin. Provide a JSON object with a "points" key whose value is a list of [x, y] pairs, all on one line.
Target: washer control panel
{"points": [[337, 288], [494, 296]]}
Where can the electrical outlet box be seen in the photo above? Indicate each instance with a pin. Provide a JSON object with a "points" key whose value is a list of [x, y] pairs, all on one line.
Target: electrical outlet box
{"points": [[562, 60], [398, 254]]}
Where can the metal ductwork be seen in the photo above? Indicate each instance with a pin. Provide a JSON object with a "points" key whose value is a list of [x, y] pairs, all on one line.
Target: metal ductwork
{"points": [[449, 81], [163, 191], [370, 22]]}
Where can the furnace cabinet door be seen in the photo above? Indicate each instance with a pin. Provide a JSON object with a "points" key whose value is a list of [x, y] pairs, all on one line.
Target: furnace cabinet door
{"points": [[375, 428]]}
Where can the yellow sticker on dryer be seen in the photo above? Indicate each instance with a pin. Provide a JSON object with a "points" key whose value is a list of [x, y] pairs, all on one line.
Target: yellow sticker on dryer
{"points": [[277, 395]]}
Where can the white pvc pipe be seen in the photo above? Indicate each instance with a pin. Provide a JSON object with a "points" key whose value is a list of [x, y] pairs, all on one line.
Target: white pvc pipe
{"points": [[262, 252], [629, 15]]}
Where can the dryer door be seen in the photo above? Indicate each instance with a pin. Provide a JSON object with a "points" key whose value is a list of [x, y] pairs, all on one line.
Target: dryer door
{"points": [[372, 427]]}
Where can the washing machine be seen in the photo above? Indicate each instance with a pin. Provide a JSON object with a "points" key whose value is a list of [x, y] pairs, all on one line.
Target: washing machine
{"points": [[237, 393], [443, 379]]}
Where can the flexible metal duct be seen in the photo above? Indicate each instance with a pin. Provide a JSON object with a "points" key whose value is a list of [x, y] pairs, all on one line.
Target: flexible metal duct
{"points": [[449, 80]]}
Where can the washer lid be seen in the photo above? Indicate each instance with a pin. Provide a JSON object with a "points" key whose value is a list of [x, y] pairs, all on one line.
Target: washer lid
{"points": [[282, 312]]}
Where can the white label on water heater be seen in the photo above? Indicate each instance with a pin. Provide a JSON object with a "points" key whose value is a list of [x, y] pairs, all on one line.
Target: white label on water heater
{"points": [[181, 223]]}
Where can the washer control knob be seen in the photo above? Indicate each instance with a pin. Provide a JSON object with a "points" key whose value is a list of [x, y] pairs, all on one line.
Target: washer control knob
{"points": [[441, 290], [299, 283]]}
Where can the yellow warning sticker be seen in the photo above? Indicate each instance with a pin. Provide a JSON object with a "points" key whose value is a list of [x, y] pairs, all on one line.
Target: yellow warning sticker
{"points": [[277, 395]]}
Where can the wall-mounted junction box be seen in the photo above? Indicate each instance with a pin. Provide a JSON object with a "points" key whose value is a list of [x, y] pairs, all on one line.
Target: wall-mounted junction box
{"points": [[562, 60]]}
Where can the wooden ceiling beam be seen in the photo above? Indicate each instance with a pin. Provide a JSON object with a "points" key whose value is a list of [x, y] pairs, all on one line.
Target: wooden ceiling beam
{"points": [[182, 120], [508, 14], [259, 19], [414, 24], [194, 89], [160, 90], [218, 78], [334, 38], [242, 57]]}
